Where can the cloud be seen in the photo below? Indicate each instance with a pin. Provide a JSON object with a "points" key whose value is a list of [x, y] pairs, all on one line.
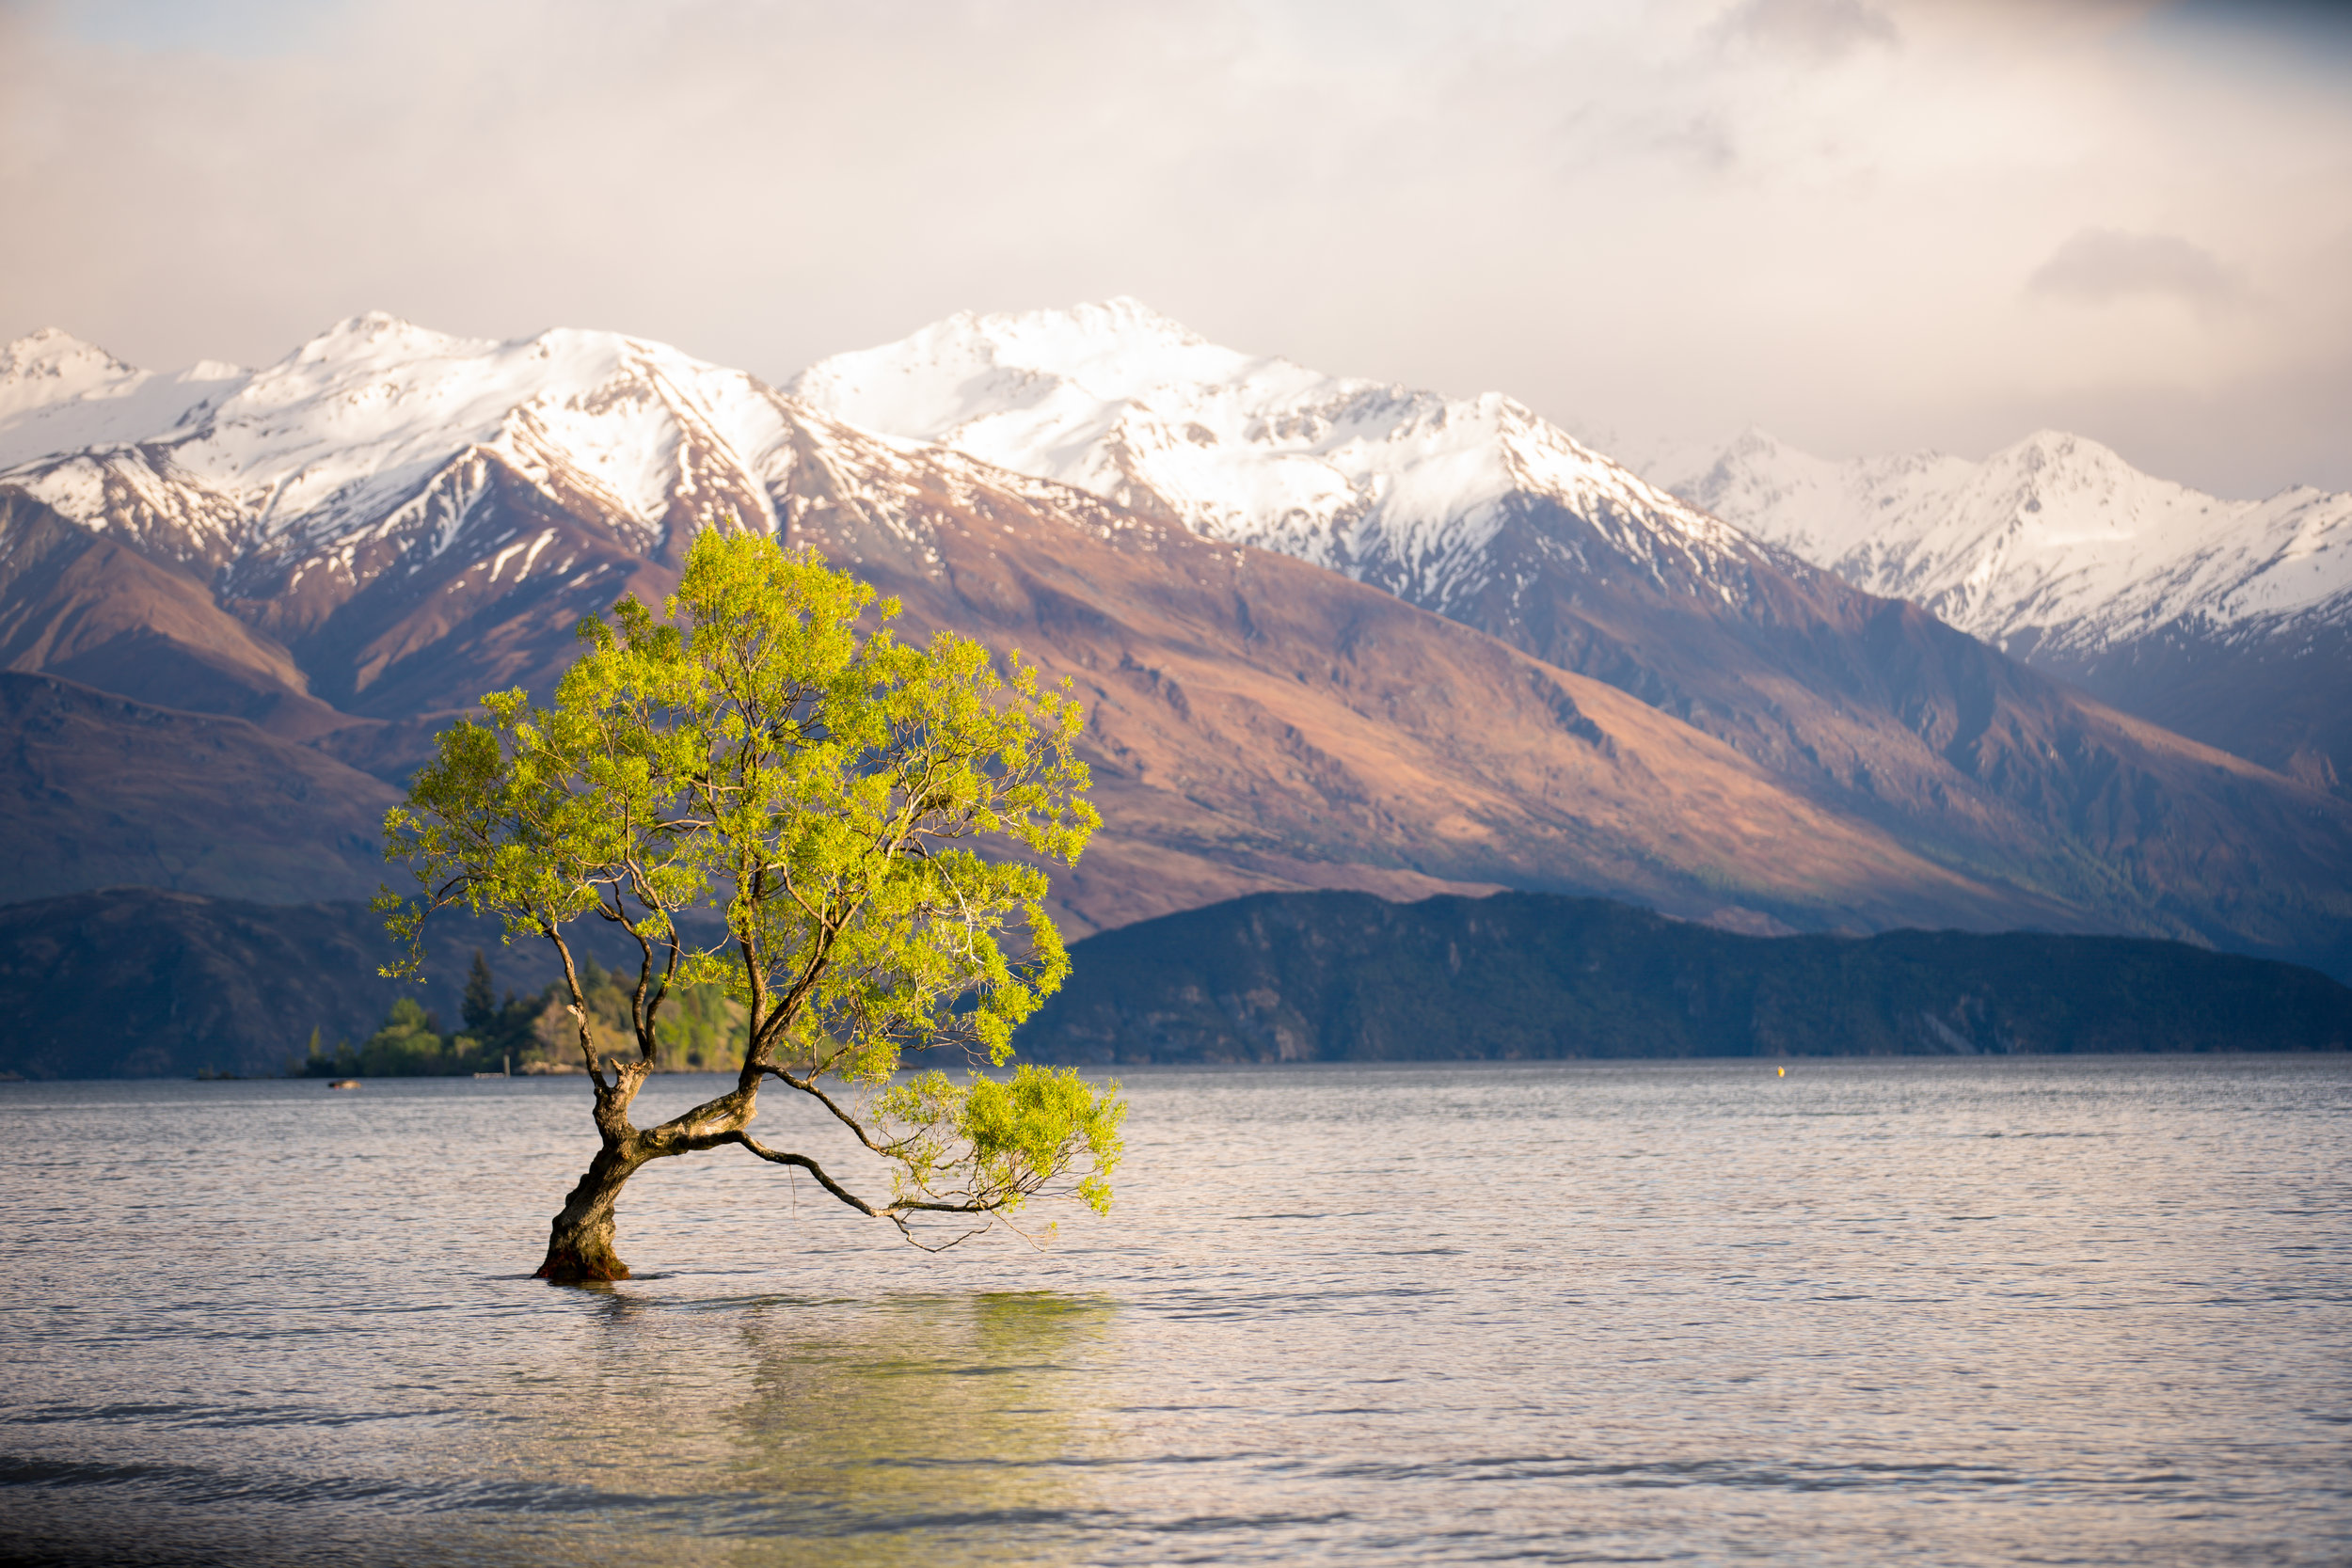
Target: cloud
{"points": [[1705, 140], [1824, 29], [2099, 266], [1818, 222]]}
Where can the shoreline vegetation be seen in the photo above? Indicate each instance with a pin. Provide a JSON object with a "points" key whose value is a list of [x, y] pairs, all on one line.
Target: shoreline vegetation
{"points": [[532, 1034]]}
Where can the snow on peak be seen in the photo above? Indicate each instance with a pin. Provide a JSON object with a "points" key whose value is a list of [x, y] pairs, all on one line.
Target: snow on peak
{"points": [[1117, 399], [2057, 452], [58, 393], [2054, 541], [50, 367], [970, 367], [57, 356], [373, 405], [354, 424], [382, 331], [1112, 330]]}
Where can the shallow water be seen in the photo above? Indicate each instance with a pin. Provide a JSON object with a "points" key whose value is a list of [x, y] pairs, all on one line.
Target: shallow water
{"points": [[1877, 1312]]}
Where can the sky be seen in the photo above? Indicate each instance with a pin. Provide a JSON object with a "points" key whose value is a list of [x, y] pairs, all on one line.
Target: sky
{"points": [[1864, 226]]}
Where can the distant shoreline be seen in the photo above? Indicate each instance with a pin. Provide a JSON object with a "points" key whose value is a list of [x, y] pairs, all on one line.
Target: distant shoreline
{"points": [[139, 984], [1342, 976], [1130, 1073]]}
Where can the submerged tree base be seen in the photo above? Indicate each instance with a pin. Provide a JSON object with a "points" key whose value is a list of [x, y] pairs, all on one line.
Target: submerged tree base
{"points": [[581, 1265]]}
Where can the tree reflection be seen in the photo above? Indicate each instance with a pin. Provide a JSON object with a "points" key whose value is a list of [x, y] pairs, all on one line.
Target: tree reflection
{"points": [[952, 1428]]}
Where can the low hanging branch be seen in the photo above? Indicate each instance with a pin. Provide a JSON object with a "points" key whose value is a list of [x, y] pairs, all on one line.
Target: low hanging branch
{"points": [[827, 794]]}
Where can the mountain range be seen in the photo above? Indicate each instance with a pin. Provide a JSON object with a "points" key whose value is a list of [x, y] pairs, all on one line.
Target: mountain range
{"points": [[1479, 511], [1330, 634], [2229, 621]]}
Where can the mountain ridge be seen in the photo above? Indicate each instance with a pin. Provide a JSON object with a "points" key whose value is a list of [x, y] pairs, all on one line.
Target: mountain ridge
{"points": [[406, 617], [239, 813], [1627, 707], [2228, 621], [1394, 486], [1474, 508]]}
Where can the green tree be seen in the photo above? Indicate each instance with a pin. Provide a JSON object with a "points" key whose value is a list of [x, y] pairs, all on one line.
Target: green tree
{"points": [[481, 1008], [408, 1045], [827, 791]]}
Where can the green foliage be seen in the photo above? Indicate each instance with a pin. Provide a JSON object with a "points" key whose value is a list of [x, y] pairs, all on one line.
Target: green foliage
{"points": [[409, 1044], [992, 1143], [702, 1030], [699, 1028], [480, 1007], [811, 800]]}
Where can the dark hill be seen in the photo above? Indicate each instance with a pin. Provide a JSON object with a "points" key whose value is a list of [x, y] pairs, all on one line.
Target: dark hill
{"points": [[1337, 976], [140, 983], [98, 790]]}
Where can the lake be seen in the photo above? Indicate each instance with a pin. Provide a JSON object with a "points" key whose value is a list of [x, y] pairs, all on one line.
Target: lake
{"points": [[1951, 1311]]}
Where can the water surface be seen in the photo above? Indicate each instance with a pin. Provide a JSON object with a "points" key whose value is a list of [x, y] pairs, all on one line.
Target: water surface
{"points": [[1877, 1312]]}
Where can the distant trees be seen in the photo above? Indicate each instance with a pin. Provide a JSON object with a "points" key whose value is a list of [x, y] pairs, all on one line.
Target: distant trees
{"points": [[480, 1007], [702, 1032], [700, 1029], [409, 1044]]}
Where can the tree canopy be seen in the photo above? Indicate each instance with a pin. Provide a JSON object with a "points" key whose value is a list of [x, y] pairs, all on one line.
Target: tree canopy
{"points": [[769, 791]]}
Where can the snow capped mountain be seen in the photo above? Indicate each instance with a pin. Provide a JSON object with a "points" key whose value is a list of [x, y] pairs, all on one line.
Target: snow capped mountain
{"points": [[2229, 621], [1479, 510], [358, 506], [58, 393], [2054, 544], [1474, 508], [49, 367], [379, 434], [361, 503], [1405, 489], [391, 521]]}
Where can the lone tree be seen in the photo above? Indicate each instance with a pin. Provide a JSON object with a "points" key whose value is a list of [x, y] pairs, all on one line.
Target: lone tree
{"points": [[753, 752]]}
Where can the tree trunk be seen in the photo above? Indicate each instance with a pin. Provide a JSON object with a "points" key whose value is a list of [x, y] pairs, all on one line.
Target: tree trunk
{"points": [[580, 1244]]}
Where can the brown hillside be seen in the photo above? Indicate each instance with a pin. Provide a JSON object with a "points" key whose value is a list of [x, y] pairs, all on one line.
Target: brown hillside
{"points": [[1257, 722], [99, 613], [101, 791]]}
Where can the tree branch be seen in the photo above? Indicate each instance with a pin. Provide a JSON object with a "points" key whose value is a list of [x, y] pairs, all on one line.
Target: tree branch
{"points": [[895, 1213]]}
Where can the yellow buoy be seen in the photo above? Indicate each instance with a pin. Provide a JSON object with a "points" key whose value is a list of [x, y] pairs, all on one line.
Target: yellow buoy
{"points": [[1783, 1073]]}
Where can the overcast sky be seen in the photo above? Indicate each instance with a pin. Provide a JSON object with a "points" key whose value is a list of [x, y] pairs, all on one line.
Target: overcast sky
{"points": [[1864, 224]]}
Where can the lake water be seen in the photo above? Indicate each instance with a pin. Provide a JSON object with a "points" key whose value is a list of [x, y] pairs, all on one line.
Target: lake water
{"points": [[1877, 1312]]}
